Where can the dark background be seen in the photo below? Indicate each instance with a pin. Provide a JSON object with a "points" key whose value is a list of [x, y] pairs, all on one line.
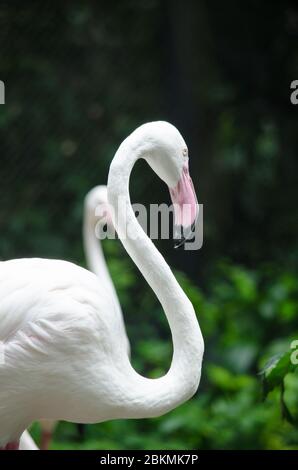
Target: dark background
{"points": [[79, 77]]}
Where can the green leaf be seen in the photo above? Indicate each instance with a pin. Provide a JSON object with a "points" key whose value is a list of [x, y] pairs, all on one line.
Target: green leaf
{"points": [[275, 371]]}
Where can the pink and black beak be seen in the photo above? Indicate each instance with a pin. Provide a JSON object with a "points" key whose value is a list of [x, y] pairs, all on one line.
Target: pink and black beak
{"points": [[186, 208]]}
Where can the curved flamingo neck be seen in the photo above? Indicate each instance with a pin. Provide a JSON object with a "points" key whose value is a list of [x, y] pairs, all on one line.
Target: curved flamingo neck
{"points": [[157, 396]]}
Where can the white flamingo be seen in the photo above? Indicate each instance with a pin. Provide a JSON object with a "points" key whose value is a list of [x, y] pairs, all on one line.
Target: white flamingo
{"points": [[65, 352], [96, 212]]}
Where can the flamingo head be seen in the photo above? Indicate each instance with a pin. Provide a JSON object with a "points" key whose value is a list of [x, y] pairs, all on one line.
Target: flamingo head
{"points": [[167, 154]]}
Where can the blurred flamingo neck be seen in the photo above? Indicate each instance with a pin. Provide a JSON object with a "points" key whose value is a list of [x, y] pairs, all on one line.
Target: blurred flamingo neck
{"points": [[94, 253]]}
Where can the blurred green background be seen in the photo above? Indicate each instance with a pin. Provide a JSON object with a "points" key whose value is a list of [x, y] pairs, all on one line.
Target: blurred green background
{"points": [[80, 76]]}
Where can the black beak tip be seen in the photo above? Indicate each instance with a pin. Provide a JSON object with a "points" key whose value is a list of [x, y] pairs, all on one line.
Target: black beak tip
{"points": [[179, 243]]}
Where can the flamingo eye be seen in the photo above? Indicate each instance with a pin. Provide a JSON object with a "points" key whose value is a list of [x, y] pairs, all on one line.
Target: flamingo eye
{"points": [[185, 152]]}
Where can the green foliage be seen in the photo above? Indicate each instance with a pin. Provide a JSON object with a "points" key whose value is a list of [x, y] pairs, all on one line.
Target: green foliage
{"points": [[276, 370]]}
